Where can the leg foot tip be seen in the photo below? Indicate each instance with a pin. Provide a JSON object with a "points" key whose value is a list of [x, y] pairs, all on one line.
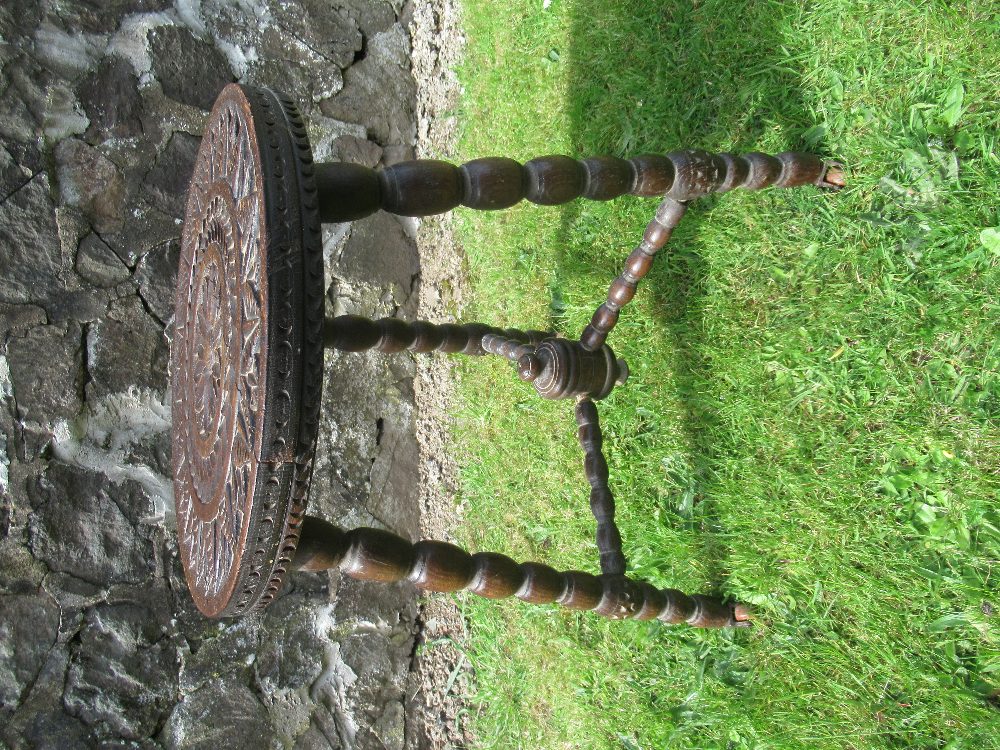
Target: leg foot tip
{"points": [[834, 176]]}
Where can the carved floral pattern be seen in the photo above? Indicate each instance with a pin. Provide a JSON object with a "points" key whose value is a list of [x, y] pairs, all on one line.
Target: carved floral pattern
{"points": [[218, 351]]}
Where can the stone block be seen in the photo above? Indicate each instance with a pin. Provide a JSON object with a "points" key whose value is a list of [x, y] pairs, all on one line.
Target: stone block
{"points": [[87, 527], [46, 371]]}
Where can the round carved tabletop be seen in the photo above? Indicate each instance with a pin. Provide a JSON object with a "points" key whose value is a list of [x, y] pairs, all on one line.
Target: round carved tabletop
{"points": [[247, 354]]}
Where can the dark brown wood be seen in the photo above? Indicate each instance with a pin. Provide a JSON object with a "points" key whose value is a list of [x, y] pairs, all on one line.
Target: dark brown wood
{"points": [[246, 357], [376, 555], [541, 584], [507, 342], [421, 188], [425, 187], [559, 368], [678, 607], [620, 597], [736, 172], [492, 183], [495, 576], [607, 177], [654, 602], [347, 191], [623, 288], [602, 502], [316, 553], [440, 566], [697, 173], [582, 590], [518, 347], [528, 366], [354, 333], [427, 337], [692, 174], [654, 174], [552, 180], [567, 370], [369, 554], [521, 353]]}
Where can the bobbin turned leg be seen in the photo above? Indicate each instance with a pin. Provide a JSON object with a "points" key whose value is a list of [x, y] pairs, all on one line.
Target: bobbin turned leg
{"points": [[241, 487], [559, 368], [355, 333], [376, 555], [698, 173], [602, 502], [422, 188], [640, 261]]}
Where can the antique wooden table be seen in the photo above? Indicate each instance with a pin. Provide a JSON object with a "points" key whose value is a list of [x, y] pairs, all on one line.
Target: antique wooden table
{"points": [[247, 355]]}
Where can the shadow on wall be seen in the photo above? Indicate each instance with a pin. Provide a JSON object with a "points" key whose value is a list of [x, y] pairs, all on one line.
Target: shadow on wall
{"points": [[649, 79]]}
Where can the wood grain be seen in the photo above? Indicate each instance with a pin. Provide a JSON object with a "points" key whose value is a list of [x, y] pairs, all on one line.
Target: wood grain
{"points": [[377, 555]]}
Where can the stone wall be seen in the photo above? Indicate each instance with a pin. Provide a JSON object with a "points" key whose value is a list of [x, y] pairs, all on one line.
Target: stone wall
{"points": [[101, 107]]}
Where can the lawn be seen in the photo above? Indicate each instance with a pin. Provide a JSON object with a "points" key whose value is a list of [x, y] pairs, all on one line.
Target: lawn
{"points": [[812, 424]]}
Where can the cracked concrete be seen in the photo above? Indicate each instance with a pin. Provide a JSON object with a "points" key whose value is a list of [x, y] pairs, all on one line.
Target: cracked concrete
{"points": [[101, 105]]}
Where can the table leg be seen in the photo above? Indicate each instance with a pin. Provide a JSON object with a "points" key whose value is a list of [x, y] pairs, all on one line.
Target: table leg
{"points": [[355, 333], [425, 187], [377, 555]]}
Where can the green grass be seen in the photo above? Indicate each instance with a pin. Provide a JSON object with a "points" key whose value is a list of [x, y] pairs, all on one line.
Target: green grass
{"points": [[813, 420]]}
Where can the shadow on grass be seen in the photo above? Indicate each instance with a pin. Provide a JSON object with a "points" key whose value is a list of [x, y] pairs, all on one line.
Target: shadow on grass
{"points": [[652, 78]]}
